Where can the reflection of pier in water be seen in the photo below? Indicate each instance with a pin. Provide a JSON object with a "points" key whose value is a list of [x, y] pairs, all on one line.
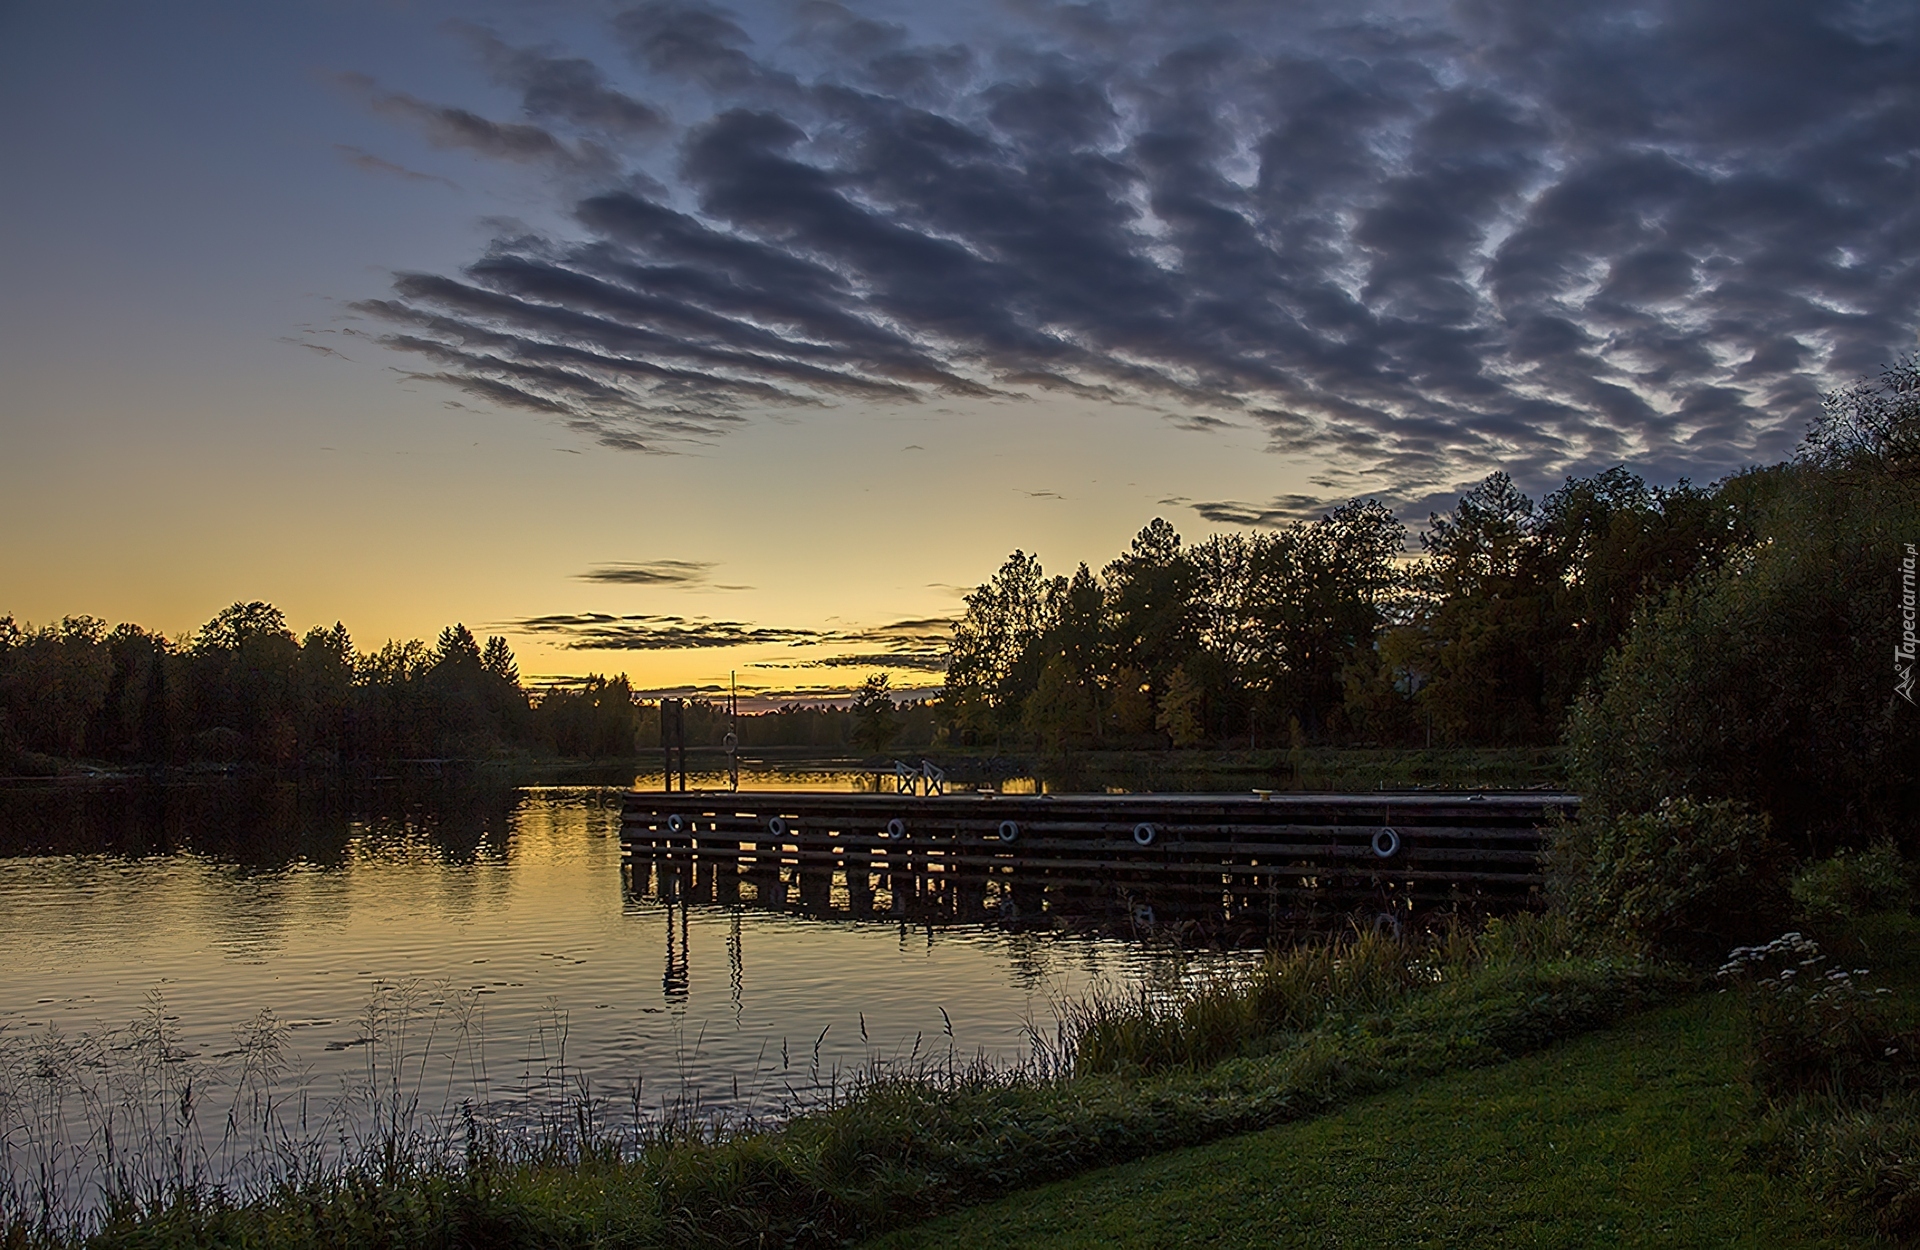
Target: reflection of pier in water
{"points": [[1232, 868]]}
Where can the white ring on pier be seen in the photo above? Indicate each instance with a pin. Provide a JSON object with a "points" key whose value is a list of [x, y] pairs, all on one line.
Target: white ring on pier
{"points": [[1009, 831], [777, 827], [896, 828], [1386, 843], [1388, 923], [1144, 833], [674, 823]]}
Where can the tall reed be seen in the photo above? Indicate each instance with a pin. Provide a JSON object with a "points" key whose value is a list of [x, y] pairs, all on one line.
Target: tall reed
{"points": [[1218, 1014]]}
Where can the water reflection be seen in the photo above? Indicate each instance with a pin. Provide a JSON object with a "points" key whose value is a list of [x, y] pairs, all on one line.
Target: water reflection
{"points": [[1207, 907], [311, 902]]}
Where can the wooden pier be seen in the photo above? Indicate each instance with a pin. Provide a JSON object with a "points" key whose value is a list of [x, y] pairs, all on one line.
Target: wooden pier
{"points": [[1239, 866]]}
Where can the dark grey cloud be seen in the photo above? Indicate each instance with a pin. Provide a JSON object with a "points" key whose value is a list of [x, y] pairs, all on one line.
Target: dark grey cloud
{"points": [[1282, 511], [919, 642], [360, 159], [882, 659], [448, 127], [914, 643], [686, 573], [1414, 242], [889, 659], [599, 631], [566, 89]]}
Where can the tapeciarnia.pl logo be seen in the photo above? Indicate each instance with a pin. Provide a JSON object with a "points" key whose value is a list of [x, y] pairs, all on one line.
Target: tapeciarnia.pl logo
{"points": [[1903, 655]]}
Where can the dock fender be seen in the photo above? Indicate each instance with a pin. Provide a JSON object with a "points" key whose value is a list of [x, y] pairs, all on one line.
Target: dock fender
{"points": [[1386, 842], [1009, 831], [1145, 832], [896, 828], [777, 826], [675, 824]]}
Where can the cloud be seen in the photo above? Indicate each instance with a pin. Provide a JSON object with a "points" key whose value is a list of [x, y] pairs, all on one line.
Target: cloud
{"points": [[922, 663], [1283, 510], [377, 165], [565, 89], [448, 127], [1410, 241], [754, 698], [318, 349], [653, 573], [912, 643], [598, 631], [920, 642]]}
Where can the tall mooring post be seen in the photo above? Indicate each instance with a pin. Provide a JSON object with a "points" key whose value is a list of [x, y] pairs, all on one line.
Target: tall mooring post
{"points": [[673, 738]]}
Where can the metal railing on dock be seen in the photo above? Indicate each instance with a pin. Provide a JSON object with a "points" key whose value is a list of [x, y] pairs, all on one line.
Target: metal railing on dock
{"points": [[1239, 865]]}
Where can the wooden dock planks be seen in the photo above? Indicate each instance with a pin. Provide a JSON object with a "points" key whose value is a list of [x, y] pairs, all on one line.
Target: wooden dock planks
{"points": [[1204, 857]]}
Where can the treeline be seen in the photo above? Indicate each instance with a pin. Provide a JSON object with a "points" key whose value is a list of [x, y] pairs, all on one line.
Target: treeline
{"points": [[875, 722], [244, 689], [1323, 632], [1729, 643]]}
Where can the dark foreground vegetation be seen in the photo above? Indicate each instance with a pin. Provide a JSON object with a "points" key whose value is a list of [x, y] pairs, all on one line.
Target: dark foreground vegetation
{"points": [[1750, 765]]}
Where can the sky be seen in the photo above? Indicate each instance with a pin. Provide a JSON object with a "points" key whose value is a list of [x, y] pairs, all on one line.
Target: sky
{"points": [[710, 343]]}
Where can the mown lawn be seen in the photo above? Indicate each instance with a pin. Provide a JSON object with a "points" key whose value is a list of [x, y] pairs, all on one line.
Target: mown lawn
{"points": [[1639, 1135]]}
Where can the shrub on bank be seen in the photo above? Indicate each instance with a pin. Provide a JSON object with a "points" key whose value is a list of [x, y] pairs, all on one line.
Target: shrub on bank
{"points": [[1836, 1061], [1687, 877], [1766, 679], [1853, 883], [1814, 1025]]}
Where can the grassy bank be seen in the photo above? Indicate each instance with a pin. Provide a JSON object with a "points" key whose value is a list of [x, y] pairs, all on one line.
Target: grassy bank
{"points": [[1660, 1130], [1338, 1027], [1487, 1090], [1643, 1134]]}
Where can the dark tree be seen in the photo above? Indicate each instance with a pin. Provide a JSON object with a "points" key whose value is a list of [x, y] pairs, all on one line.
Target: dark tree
{"points": [[874, 725]]}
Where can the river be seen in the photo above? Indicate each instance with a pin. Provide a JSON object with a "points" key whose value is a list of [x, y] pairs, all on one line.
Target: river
{"points": [[467, 943]]}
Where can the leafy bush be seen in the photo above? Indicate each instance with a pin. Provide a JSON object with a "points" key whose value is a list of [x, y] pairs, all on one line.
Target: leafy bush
{"points": [[1816, 1027], [1851, 884], [1766, 680], [1681, 878]]}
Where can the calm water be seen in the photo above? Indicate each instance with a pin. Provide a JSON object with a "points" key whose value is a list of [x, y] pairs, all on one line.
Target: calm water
{"points": [[507, 908]]}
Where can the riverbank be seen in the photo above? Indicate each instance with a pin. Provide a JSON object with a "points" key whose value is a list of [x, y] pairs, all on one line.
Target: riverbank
{"points": [[1489, 1089], [1317, 1028], [1656, 1130], [1642, 1134]]}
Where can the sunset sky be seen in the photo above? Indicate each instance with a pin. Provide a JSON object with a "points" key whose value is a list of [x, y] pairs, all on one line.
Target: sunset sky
{"points": [[677, 339]]}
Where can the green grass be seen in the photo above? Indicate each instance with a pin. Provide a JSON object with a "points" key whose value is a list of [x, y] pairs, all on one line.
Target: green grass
{"points": [[1644, 1134]]}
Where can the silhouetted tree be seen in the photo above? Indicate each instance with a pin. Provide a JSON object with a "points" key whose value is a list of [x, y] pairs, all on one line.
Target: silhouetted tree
{"points": [[873, 714]]}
